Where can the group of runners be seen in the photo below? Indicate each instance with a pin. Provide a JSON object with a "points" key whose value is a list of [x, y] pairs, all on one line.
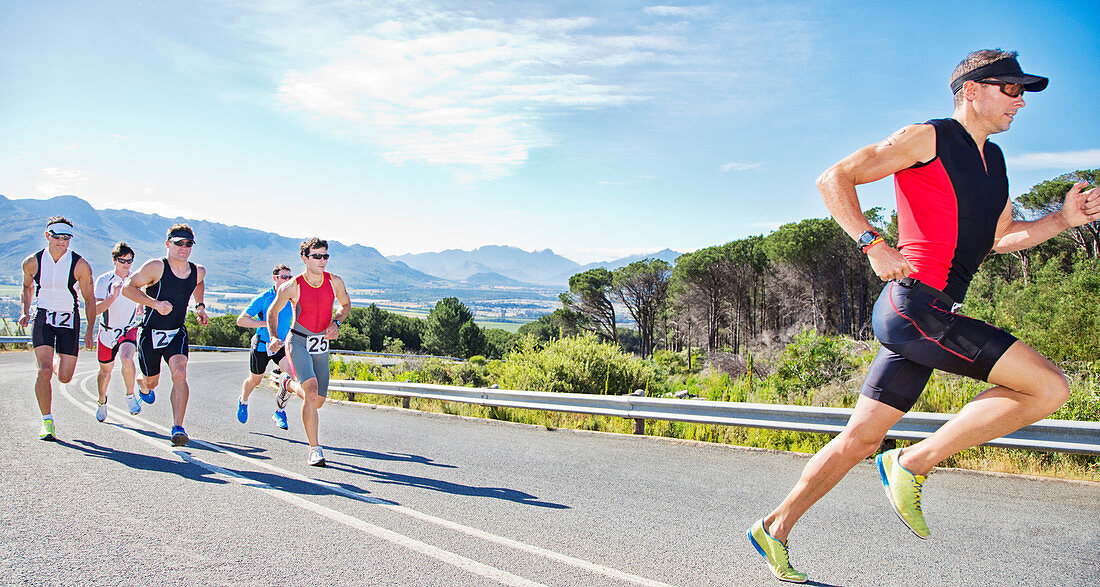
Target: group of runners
{"points": [[144, 313], [953, 209]]}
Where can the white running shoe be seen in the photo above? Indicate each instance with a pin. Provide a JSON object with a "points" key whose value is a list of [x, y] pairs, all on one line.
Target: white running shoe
{"points": [[316, 457], [283, 395], [101, 411], [133, 403]]}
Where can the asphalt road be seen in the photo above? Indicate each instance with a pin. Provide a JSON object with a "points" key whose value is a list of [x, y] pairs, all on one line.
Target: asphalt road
{"points": [[420, 499]]}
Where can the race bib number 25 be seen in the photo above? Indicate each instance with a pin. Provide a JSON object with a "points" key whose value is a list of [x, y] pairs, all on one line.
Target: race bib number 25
{"points": [[60, 319], [317, 345]]}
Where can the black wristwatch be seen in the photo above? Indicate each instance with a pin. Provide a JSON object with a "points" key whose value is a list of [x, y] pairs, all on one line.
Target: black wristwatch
{"points": [[200, 305], [866, 239], [336, 322]]}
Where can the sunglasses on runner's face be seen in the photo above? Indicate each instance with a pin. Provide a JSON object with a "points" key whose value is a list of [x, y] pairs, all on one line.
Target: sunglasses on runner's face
{"points": [[62, 237], [284, 277], [125, 261], [1010, 89], [318, 255], [183, 242]]}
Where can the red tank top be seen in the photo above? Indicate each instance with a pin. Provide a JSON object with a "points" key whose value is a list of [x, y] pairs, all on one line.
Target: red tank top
{"points": [[314, 309]]}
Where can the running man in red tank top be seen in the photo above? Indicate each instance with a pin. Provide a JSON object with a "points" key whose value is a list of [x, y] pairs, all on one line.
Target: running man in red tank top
{"points": [[953, 209], [312, 294]]}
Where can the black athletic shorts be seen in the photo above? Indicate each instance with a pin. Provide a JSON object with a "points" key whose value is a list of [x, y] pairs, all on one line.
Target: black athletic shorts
{"points": [[154, 345], [257, 359], [919, 332], [53, 329]]}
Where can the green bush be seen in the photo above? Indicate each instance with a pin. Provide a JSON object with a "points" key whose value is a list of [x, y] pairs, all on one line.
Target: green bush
{"points": [[582, 364]]}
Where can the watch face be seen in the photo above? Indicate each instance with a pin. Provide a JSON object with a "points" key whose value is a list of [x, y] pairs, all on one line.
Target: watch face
{"points": [[866, 238]]}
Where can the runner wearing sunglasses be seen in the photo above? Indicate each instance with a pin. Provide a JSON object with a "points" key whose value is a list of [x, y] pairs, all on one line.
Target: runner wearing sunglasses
{"points": [[164, 286], [49, 279], [312, 294], [255, 316], [118, 329], [953, 209]]}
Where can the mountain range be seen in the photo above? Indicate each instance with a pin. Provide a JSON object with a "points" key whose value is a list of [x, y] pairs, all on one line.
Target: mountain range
{"points": [[240, 259], [537, 267]]}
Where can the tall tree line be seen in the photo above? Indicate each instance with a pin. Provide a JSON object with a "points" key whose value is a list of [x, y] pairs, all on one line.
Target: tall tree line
{"points": [[803, 274]]}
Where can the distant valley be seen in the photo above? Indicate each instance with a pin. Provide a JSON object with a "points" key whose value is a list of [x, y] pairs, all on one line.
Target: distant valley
{"points": [[500, 283]]}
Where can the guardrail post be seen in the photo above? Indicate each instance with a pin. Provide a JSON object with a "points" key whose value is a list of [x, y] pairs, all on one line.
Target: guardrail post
{"points": [[639, 426], [406, 402], [351, 395]]}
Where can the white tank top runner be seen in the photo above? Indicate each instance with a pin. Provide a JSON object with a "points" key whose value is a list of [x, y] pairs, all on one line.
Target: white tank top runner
{"points": [[53, 283]]}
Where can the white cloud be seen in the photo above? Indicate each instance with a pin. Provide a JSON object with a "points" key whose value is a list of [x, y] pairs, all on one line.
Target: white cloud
{"points": [[467, 93], [678, 11], [55, 181], [739, 166], [1067, 160]]}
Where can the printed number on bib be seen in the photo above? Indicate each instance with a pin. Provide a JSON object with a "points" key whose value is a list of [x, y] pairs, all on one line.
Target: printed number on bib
{"points": [[61, 319], [109, 336], [317, 345], [161, 338]]}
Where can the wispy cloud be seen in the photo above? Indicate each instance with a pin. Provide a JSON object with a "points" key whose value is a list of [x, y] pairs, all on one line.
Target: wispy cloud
{"points": [[1067, 160], [739, 166], [474, 95], [54, 181], [679, 11]]}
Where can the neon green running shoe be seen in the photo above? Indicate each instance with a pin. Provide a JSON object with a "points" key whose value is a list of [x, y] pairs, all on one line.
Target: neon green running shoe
{"points": [[775, 553], [903, 490], [46, 431]]}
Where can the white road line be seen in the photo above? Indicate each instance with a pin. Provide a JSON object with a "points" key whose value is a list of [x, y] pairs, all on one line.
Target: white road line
{"points": [[472, 566], [455, 526]]}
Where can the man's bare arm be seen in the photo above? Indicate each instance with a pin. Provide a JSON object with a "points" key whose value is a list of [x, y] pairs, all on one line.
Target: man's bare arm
{"points": [[149, 274], [30, 267], [1080, 207], [903, 149]]}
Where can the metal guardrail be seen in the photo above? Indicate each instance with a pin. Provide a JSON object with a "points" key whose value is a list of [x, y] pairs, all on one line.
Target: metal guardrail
{"points": [[225, 349], [1046, 435]]}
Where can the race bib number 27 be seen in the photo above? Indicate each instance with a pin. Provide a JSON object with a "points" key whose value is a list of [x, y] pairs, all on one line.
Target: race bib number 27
{"points": [[161, 338]]}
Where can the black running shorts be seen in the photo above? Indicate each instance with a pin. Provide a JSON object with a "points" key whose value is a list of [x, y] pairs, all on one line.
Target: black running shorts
{"points": [[257, 359], [919, 332], [154, 345], [60, 330]]}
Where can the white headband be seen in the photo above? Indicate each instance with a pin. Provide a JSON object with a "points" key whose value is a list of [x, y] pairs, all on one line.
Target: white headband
{"points": [[59, 228]]}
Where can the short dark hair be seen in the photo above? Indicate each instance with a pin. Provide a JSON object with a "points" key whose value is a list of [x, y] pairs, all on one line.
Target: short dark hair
{"points": [[313, 243], [121, 249], [61, 219], [278, 268], [976, 59], [178, 226]]}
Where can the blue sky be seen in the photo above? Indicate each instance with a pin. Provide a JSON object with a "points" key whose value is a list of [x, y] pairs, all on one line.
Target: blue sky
{"points": [[596, 129]]}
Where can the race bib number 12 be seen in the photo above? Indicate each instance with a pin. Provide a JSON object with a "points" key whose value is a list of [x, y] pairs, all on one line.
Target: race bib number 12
{"points": [[60, 319]]}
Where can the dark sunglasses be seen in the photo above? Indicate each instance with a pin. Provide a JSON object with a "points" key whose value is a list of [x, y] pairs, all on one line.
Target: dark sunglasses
{"points": [[318, 255], [183, 242], [124, 261], [1010, 89], [284, 277], [61, 237]]}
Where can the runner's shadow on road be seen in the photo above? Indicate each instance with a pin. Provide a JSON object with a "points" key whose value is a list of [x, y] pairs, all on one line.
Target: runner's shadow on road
{"points": [[370, 454], [143, 462], [252, 452], [447, 487], [295, 486]]}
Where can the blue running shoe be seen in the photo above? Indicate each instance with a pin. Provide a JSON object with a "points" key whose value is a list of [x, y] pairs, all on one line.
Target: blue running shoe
{"points": [[279, 417], [242, 411], [179, 437], [146, 396]]}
